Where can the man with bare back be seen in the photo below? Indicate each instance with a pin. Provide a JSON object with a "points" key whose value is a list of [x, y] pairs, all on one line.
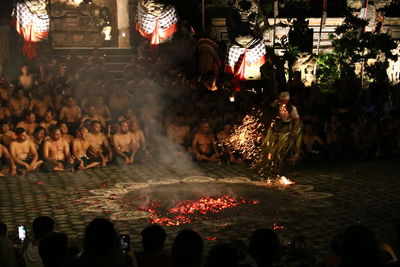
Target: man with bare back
{"points": [[203, 145], [100, 144], [23, 153], [124, 145], [56, 153], [81, 148]]}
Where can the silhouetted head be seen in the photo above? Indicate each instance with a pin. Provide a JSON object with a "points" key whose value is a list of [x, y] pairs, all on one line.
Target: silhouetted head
{"points": [[264, 246], [359, 247], [299, 251], [223, 255], [187, 249], [153, 238], [42, 226], [100, 238], [53, 249]]}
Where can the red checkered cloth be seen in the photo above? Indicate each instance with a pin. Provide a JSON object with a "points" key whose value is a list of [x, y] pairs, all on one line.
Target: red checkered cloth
{"points": [[238, 58], [156, 28], [33, 27]]}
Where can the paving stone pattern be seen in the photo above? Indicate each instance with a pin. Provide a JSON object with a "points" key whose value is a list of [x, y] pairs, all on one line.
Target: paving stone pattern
{"points": [[366, 192]]}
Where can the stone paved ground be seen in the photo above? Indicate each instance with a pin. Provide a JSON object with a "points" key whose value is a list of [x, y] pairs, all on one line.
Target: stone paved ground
{"points": [[365, 192]]}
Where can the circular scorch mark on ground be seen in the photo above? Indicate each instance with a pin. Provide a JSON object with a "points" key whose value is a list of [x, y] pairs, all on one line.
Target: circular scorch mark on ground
{"points": [[197, 199]]}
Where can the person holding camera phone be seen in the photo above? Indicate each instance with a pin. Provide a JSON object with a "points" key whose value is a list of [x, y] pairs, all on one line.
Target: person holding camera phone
{"points": [[103, 247], [42, 226]]}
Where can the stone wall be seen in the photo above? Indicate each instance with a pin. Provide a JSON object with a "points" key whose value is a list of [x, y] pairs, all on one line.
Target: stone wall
{"points": [[78, 25]]}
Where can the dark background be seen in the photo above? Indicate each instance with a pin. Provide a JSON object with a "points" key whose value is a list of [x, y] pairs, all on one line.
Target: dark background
{"points": [[6, 8]]}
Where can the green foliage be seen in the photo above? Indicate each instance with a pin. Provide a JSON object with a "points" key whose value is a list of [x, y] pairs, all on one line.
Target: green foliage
{"points": [[328, 72], [267, 7], [351, 46]]}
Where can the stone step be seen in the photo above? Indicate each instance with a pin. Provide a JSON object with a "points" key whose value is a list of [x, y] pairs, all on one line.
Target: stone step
{"points": [[88, 51], [110, 59], [116, 59], [115, 66]]}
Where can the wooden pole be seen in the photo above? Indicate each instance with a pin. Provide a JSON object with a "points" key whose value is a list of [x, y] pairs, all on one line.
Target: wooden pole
{"points": [[323, 19], [203, 16]]}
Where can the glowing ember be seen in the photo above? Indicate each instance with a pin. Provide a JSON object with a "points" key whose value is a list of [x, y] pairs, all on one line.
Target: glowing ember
{"points": [[188, 211], [279, 181], [276, 227], [285, 181]]}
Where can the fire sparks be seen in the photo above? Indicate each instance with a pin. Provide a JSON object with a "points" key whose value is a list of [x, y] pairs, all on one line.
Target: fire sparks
{"points": [[189, 211], [247, 137]]}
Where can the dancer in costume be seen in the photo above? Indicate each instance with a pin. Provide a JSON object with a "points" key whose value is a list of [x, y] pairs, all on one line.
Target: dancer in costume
{"points": [[283, 140]]}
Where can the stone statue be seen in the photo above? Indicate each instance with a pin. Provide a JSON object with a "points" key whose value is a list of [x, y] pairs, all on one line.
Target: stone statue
{"points": [[244, 15]]}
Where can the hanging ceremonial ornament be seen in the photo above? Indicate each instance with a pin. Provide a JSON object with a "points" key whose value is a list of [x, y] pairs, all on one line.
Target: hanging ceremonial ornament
{"points": [[244, 59], [32, 22], [156, 21], [246, 26]]}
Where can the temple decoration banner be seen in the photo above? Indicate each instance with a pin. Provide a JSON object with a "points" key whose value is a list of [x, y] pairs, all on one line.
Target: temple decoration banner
{"points": [[32, 22]]}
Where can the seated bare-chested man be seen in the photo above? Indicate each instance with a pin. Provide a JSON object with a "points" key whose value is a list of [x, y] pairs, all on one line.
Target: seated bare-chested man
{"points": [[26, 79], [92, 115], [24, 153], [101, 108], [100, 144], [5, 92], [81, 148], [29, 124], [71, 114], [124, 145], [178, 131], [18, 104], [48, 120], [118, 101], [5, 113], [203, 145], [223, 138], [40, 103], [140, 142], [6, 135], [65, 132], [56, 153]]}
